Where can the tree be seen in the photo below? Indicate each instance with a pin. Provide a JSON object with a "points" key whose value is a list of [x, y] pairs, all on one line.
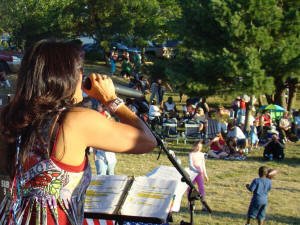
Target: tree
{"points": [[28, 21], [131, 20], [236, 46]]}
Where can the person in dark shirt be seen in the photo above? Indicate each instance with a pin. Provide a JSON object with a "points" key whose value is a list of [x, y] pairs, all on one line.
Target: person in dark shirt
{"points": [[274, 148], [260, 188]]}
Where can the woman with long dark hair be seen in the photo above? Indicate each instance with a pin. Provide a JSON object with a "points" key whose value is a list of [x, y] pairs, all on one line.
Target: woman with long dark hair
{"points": [[46, 134]]}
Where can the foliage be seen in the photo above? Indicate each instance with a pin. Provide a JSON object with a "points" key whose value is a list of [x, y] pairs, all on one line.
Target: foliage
{"points": [[31, 20], [134, 20], [236, 46], [131, 20]]}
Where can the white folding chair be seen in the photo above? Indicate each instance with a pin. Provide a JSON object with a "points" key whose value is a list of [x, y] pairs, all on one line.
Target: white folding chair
{"points": [[170, 131], [191, 131]]}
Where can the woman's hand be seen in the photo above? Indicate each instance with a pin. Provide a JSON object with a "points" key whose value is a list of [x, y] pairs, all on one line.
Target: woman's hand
{"points": [[102, 88]]}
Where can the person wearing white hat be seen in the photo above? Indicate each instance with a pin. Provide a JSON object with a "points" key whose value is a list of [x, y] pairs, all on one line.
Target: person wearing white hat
{"points": [[274, 147]]}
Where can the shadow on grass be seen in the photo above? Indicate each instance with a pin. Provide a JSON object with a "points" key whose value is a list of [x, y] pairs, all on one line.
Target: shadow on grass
{"points": [[238, 216], [286, 161], [287, 189], [283, 219]]}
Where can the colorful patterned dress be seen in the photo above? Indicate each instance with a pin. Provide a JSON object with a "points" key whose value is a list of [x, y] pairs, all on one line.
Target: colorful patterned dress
{"points": [[48, 188]]}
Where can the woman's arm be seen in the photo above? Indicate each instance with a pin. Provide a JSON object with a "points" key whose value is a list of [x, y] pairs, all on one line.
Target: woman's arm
{"points": [[83, 127], [204, 169]]}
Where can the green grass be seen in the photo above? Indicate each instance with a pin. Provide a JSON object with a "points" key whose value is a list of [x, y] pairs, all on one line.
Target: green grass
{"points": [[226, 192]]}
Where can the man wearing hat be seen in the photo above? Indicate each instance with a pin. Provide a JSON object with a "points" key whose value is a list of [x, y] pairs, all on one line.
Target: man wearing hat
{"points": [[274, 147]]}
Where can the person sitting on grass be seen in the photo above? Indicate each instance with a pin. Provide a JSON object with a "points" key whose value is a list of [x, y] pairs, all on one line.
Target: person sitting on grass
{"points": [[188, 111], [238, 136], [285, 128], [217, 147], [154, 114], [266, 122], [260, 188], [170, 107], [274, 147]]}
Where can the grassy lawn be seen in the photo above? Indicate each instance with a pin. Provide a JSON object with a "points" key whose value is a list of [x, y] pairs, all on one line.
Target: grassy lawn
{"points": [[226, 192]]}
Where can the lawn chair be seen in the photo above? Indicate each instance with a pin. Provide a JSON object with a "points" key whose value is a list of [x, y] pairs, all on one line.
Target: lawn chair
{"points": [[191, 131], [169, 131]]}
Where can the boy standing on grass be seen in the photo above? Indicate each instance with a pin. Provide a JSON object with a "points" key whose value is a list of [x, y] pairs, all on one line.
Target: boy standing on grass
{"points": [[260, 188]]}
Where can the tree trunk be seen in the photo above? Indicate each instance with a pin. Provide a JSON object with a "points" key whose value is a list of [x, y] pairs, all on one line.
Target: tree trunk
{"points": [[279, 97], [260, 100], [292, 93], [249, 107], [270, 99]]}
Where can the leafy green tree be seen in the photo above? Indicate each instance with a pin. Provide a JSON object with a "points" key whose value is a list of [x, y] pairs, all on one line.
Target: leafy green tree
{"points": [[237, 46], [29, 20], [131, 20]]}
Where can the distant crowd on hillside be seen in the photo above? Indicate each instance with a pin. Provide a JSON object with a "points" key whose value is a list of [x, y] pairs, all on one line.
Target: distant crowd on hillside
{"points": [[223, 129]]}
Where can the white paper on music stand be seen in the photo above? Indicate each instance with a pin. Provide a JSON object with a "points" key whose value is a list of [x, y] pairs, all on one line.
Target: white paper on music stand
{"points": [[104, 193], [169, 172], [149, 197]]}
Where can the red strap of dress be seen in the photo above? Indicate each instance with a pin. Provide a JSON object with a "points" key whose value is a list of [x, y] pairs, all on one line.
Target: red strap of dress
{"points": [[64, 166]]}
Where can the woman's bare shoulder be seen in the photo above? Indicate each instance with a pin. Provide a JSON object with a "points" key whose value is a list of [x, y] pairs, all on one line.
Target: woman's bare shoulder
{"points": [[80, 113]]}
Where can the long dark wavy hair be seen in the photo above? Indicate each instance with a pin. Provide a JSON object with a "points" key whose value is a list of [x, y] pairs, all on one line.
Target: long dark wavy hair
{"points": [[46, 83]]}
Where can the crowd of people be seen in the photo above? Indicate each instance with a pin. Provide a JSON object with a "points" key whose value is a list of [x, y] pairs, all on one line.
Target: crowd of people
{"points": [[223, 129]]}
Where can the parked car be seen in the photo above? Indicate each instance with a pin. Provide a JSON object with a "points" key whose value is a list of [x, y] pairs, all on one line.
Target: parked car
{"points": [[157, 50], [120, 46], [10, 61], [93, 51], [163, 50]]}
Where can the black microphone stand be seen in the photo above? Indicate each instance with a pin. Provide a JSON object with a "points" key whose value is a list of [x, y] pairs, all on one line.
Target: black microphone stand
{"points": [[193, 193]]}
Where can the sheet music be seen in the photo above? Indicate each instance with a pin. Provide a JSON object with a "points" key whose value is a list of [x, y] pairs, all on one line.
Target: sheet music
{"points": [[149, 198], [104, 193], [170, 172]]}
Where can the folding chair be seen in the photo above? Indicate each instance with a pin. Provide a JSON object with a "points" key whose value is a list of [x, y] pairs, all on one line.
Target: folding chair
{"points": [[169, 131], [191, 131]]}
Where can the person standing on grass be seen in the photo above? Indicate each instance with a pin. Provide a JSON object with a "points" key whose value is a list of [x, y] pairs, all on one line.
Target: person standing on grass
{"points": [[260, 188], [113, 60], [197, 164], [44, 135]]}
